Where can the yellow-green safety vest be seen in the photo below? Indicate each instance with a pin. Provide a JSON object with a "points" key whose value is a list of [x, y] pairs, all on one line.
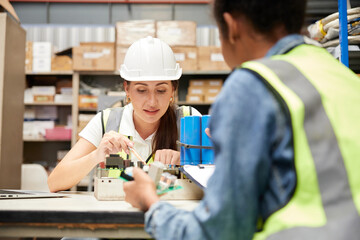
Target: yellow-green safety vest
{"points": [[111, 119], [322, 98]]}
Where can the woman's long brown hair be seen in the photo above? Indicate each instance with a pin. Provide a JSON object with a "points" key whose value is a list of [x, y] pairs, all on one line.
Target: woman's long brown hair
{"points": [[167, 132]]}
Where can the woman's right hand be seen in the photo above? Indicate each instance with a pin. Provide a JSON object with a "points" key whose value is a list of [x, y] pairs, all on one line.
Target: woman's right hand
{"points": [[112, 143]]}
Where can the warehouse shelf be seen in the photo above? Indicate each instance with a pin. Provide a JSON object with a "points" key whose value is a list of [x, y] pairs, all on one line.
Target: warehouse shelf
{"points": [[116, 73], [120, 1], [50, 73], [193, 104], [47, 104], [44, 140], [201, 72], [87, 110]]}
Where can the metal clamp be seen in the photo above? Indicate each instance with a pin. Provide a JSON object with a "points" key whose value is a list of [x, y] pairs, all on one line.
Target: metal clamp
{"points": [[192, 146]]}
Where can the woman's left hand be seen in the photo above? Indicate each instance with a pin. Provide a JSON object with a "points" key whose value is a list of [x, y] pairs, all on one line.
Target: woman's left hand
{"points": [[168, 156]]}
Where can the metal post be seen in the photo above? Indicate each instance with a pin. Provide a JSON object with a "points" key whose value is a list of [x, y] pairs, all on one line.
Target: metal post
{"points": [[343, 35]]}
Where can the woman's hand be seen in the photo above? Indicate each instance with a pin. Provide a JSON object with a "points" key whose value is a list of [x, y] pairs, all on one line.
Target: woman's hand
{"points": [[207, 131], [112, 143], [168, 156], [140, 193]]}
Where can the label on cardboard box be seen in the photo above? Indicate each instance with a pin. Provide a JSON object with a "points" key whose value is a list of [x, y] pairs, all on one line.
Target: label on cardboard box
{"points": [[42, 49], [215, 83], [194, 98], [43, 90], [197, 83], [213, 90], [41, 65], [216, 57], [179, 57], [196, 90], [210, 98], [192, 55], [92, 55], [174, 31], [106, 51]]}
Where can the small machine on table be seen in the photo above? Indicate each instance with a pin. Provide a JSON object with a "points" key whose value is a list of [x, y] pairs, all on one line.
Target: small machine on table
{"points": [[109, 181]]}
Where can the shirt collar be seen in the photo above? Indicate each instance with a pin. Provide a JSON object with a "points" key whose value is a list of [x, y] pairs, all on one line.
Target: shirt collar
{"points": [[127, 126], [285, 44]]}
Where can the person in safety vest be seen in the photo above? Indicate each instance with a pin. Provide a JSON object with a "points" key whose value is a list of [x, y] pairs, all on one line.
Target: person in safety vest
{"points": [[148, 123], [286, 133]]}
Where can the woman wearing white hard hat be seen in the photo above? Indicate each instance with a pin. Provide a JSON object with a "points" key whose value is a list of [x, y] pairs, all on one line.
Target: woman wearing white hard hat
{"points": [[149, 123]]}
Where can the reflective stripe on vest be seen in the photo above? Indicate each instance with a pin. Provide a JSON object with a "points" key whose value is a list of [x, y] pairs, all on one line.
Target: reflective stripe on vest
{"points": [[322, 206], [111, 119]]}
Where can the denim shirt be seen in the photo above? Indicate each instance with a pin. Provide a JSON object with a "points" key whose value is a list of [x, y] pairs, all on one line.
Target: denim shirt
{"points": [[254, 160]]}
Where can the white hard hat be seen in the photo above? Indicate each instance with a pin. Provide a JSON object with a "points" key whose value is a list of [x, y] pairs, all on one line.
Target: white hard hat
{"points": [[150, 59]]}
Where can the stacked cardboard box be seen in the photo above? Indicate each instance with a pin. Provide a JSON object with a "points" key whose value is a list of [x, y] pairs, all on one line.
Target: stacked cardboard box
{"points": [[177, 33], [61, 63], [94, 57], [186, 57], [88, 101], [210, 58], [28, 57], [41, 52], [84, 119], [181, 36], [128, 32], [204, 90], [43, 94]]}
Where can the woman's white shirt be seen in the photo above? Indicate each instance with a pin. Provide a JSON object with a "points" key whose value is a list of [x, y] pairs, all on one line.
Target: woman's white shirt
{"points": [[93, 132]]}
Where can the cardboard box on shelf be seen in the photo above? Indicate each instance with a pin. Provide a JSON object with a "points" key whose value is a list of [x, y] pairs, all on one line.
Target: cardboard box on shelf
{"points": [[120, 56], [88, 101], [210, 58], [84, 119], [177, 33], [206, 83], [94, 57], [215, 82], [61, 63], [41, 64], [28, 64], [212, 90], [63, 84], [42, 49], [210, 98], [28, 57], [198, 83], [43, 93], [46, 112], [63, 98], [186, 57], [36, 129], [194, 98], [128, 32]]}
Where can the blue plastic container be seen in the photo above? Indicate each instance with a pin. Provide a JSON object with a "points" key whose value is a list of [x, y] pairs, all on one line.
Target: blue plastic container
{"points": [[207, 154], [182, 133], [192, 136]]}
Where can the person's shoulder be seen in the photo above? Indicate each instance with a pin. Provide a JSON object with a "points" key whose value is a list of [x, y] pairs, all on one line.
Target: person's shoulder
{"points": [[184, 110], [244, 81]]}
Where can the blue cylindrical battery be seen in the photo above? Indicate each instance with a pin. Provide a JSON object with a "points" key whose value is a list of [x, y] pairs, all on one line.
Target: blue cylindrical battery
{"points": [[207, 154], [192, 137], [182, 133]]}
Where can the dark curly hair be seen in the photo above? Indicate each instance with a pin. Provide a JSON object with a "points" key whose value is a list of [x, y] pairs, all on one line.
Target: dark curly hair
{"points": [[264, 15]]}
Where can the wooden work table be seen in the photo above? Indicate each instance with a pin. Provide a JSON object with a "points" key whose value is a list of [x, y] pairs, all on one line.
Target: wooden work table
{"points": [[79, 214]]}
